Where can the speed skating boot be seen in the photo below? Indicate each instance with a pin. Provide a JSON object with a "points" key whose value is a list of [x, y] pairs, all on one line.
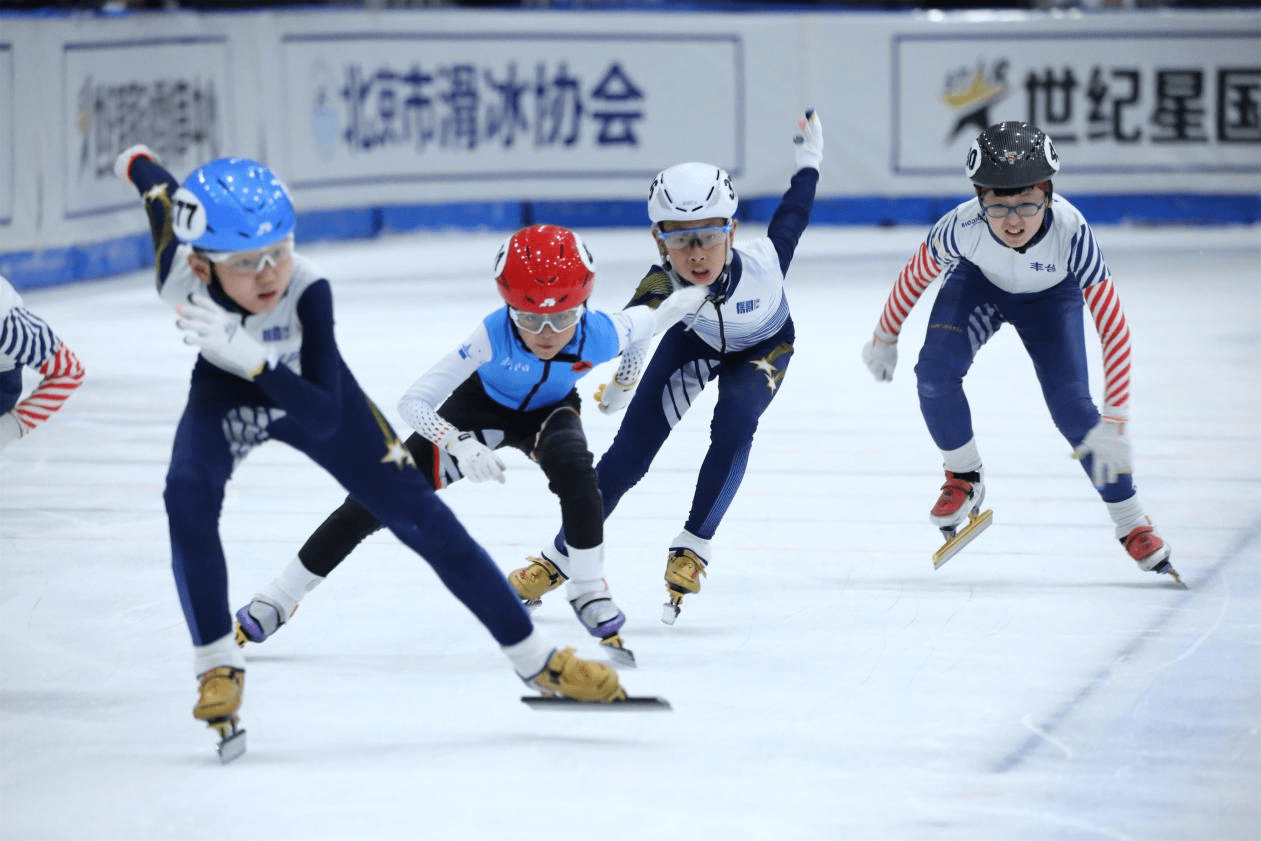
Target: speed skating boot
{"points": [[960, 499], [569, 675], [604, 619], [532, 582], [684, 569], [218, 701], [1149, 551], [259, 619]]}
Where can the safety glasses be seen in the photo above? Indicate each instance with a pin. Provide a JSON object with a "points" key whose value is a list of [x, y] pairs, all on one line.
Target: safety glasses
{"points": [[704, 237], [251, 262], [534, 322], [1001, 211]]}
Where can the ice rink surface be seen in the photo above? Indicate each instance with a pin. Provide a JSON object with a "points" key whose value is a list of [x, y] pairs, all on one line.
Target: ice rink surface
{"points": [[827, 683]]}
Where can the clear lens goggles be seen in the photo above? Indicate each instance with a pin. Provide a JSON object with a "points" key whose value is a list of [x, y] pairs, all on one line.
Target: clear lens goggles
{"points": [[534, 322], [1001, 211], [251, 262], [704, 237]]}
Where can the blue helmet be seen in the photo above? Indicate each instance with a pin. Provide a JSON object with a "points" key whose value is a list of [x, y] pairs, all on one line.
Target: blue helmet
{"points": [[232, 204]]}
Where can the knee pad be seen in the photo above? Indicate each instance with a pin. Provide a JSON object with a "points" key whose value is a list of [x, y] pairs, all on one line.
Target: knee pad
{"points": [[567, 461]]}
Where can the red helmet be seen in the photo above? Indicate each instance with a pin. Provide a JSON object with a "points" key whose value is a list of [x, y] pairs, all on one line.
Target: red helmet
{"points": [[543, 269]]}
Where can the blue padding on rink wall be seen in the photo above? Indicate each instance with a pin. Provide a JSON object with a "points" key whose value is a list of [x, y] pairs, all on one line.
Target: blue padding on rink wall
{"points": [[86, 261]]}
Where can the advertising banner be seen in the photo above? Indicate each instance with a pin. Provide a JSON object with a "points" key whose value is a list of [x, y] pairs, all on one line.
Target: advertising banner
{"points": [[1168, 103], [495, 108], [172, 93]]}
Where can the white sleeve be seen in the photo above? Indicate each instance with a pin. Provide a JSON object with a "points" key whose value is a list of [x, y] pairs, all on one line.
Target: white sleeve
{"points": [[419, 404], [635, 328], [635, 325]]}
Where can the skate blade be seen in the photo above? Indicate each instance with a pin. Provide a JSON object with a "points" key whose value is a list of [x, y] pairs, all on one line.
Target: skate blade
{"points": [[532, 604], [669, 612], [231, 739], [977, 523], [618, 652], [1172, 573], [629, 703]]}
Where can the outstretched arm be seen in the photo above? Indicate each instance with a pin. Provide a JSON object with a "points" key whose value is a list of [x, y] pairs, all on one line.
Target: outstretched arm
{"points": [[419, 407], [139, 167], [655, 307], [881, 353]]}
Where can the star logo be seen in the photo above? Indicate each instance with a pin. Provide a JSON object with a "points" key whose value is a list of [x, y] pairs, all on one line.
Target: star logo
{"points": [[768, 367], [397, 454]]}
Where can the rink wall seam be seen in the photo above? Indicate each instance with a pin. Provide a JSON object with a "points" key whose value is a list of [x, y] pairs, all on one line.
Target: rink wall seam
{"points": [[87, 261]]}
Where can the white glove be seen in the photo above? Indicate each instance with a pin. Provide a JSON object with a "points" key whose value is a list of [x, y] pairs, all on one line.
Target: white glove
{"points": [[10, 429], [122, 164], [679, 303], [809, 143], [476, 461], [612, 397], [1110, 451], [222, 338], [881, 358]]}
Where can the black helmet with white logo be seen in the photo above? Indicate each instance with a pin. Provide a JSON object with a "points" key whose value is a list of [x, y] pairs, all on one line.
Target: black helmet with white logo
{"points": [[1011, 155]]}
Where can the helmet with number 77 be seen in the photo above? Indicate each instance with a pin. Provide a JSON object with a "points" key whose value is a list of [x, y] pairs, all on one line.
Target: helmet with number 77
{"points": [[232, 204], [690, 192], [544, 269]]}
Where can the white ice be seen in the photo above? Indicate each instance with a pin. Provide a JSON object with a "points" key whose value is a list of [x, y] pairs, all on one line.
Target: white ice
{"points": [[827, 683]]}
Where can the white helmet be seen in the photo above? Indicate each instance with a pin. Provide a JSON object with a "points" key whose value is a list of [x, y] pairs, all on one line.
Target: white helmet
{"points": [[692, 191]]}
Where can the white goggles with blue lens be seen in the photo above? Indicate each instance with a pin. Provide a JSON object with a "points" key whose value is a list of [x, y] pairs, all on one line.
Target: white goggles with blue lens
{"points": [[251, 262]]}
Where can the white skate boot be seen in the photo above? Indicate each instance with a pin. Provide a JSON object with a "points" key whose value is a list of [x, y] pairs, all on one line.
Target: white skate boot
{"points": [[960, 499], [604, 620], [259, 619]]}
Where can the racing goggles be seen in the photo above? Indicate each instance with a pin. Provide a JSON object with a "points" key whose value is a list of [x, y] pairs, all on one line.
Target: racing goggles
{"points": [[534, 322], [251, 262], [686, 238]]}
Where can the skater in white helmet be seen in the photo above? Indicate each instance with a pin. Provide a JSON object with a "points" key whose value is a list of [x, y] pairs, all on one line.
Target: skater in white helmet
{"points": [[742, 337]]}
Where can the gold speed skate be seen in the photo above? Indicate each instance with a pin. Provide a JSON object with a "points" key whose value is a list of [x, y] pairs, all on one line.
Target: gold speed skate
{"points": [[218, 701], [535, 580], [684, 569], [569, 675], [570, 682]]}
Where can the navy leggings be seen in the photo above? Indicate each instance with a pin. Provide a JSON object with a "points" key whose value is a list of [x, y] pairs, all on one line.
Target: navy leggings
{"points": [[968, 311]]}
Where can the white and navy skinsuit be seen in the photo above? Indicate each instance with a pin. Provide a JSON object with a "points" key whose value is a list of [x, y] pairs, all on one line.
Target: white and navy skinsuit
{"points": [[1039, 289], [494, 386], [742, 337], [311, 401]]}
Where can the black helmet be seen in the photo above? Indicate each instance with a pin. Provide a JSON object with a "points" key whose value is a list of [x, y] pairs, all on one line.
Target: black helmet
{"points": [[1011, 155]]}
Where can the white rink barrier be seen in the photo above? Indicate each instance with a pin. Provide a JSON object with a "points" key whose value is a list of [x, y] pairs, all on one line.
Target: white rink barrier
{"points": [[397, 120]]}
